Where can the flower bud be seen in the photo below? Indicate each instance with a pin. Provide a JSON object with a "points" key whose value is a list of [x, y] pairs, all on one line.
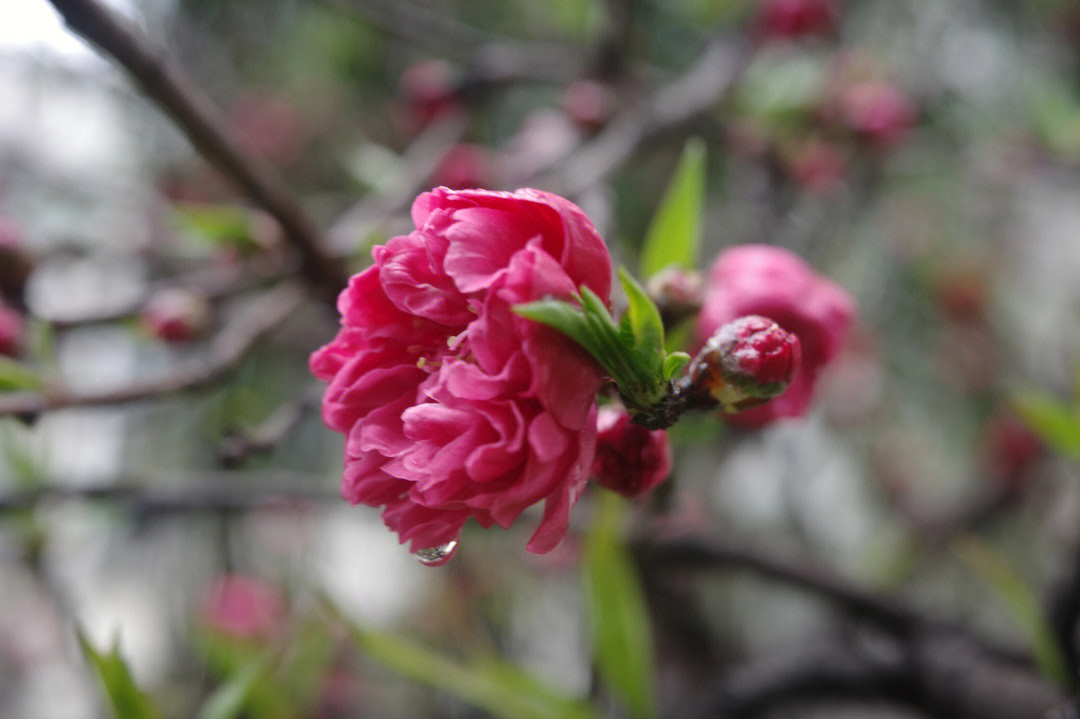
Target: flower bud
{"points": [[818, 167], [1009, 451], [878, 112], [11, 330], [429, 90], [589, 104], [745, 363], [242, 607], [176, 315], [630, 459], [791, 19]]}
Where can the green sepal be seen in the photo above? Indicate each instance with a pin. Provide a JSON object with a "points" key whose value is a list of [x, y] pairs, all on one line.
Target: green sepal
{"points": [[674, 364]]}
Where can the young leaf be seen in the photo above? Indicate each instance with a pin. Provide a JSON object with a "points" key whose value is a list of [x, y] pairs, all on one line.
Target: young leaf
{"points": [[643, 319], [615, 608], [499, 688], [1051, 420], [1022, 603], [125, 698], [230, 698], [675, 231], [674, 363], [566, 318], [15, 376]]}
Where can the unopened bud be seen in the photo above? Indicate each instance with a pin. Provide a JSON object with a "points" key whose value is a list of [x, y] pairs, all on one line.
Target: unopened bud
{"points": [[747, 362], [630, 459], [589, 104], [11, 330], [177, 315], [16, 261]]}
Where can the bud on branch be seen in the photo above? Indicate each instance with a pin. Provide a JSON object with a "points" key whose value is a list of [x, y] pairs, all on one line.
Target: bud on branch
{"points": [[744, 364]]}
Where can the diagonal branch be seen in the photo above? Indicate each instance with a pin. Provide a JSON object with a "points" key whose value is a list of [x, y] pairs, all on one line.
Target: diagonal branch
{"points": [[196, 115], [668, 554], [227, 349]]}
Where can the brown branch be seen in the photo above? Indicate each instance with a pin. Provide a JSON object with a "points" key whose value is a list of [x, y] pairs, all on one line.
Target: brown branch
{"points": [[212, 494], [196, 115], [668, 554], [946, 671], [705, 84], [224, 353], [825, 670], [239, 445], [214, 282], [487, 58]]}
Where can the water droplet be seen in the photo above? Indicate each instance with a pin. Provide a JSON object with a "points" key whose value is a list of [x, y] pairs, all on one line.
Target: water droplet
{"points": [[436, 556]]}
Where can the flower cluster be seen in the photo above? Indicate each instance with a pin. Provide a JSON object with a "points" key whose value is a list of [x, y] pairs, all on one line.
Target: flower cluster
{"points": [[452, 405]]}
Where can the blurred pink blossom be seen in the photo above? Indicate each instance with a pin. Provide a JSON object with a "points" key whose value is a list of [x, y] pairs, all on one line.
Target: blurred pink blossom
{"points": [[452, 405], [242, 607], [176, 314], [790, 19], [776, 283], [463, 167], [879, 112]]}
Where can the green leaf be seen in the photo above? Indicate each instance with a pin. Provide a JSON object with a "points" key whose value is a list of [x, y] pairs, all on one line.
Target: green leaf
{"points": [[615, 608], [566, 318], [643, 320], [674, 363], [231, 697], [125, 698], [229, 225], [1052, 420], [491, 684], [781, 88], [1022, 603], [675, 231], [15, 376]]}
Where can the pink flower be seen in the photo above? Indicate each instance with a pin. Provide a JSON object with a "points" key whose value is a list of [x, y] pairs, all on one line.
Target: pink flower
{"points": [[775, 283], [630, 459], [11, 330], [452, 405], [880, 113], [797, 18], [242, 607]]}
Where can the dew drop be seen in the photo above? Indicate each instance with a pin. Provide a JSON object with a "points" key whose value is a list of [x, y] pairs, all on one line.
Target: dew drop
{"points": [[436, 556]]}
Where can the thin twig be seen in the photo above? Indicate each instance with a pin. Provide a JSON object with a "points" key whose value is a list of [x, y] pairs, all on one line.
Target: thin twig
{"points": [[164, 83], [214, 282], [224, 353], [668, 554], [705, 84], [239, 445], [487, 58], [211, 496]]}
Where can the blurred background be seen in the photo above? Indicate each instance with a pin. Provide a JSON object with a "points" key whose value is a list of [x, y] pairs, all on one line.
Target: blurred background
{"points": [[166, 482]]}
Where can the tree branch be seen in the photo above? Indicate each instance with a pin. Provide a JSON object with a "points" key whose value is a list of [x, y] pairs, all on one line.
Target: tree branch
{"points": [[213, 495], [225, 352], [202, 123], [487, 59], [239, 445], [669, 554]]}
